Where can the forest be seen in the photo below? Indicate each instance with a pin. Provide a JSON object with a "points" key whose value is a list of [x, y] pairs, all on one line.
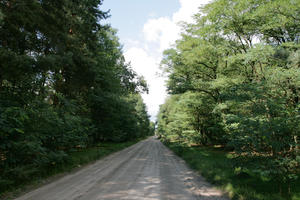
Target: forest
{"points": [[64, 85], [234, 82]]}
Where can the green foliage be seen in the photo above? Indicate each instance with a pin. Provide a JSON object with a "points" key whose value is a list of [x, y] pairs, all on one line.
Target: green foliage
{"points": [[64, 84], [234, 81], [76, 158], [188, 117], [218, 167]]}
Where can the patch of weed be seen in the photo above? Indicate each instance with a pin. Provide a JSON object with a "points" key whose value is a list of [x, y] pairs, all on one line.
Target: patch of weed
{"points": [[218, 167], [76, 159]]}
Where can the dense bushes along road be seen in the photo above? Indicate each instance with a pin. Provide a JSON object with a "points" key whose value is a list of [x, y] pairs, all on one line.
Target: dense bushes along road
{"points": [[64, 85], [233, 80]]}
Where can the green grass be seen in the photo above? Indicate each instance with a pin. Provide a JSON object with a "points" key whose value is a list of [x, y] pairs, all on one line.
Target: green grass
{"points": [[216, 165], [76, 160]]}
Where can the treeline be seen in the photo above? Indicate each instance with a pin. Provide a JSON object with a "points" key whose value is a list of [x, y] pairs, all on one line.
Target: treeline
{"points": [[234, 81], [64, 84]]}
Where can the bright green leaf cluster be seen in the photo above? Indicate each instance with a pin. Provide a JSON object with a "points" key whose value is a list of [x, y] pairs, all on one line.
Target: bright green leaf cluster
{"points": [[233, 78]]}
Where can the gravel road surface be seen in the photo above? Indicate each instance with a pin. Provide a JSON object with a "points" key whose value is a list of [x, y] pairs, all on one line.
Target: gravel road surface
{"points": [[145, 171]]}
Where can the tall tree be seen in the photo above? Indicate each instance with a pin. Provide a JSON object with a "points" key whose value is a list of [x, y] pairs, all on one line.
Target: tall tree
{"points": [[241, 62], [63, 83]]}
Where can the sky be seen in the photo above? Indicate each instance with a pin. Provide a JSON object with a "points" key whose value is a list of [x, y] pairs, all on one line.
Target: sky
{"points": [[146, 28]]}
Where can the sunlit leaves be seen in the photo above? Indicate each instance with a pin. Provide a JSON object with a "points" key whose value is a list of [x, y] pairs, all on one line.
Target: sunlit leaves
{"points": [[241, 60]]}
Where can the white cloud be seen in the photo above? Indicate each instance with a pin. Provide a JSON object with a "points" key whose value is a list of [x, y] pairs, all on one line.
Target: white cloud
{"points": [[164, 30], [146, 65], [187, 10], [160, 34], [156, 96], [141, 61]]}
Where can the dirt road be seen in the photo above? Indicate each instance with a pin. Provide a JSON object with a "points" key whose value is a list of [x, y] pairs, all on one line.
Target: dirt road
{"points": [[146, 170]]}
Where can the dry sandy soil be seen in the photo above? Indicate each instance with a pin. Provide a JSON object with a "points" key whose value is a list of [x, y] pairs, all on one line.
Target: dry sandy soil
{"points": [[147, 170]]}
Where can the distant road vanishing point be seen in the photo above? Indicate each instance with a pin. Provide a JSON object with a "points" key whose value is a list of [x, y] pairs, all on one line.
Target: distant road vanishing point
{"points": [[147, 170]]}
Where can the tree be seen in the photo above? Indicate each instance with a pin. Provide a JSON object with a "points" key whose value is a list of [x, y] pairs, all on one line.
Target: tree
{"points": [[235, 74], [64, 83]]}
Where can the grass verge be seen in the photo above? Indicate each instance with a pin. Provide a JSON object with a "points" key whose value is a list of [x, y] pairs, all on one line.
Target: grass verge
{"points": [[76, 160], [217, 167]]}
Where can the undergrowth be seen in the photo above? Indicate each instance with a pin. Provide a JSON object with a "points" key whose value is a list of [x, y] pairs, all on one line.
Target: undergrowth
{"points": [[76, 159], [218, 167]]}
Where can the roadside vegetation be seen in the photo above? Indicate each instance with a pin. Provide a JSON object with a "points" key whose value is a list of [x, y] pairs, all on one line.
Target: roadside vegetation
{"points": [[219, 167], [64, 86], [233, 81], [77, 159]]}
